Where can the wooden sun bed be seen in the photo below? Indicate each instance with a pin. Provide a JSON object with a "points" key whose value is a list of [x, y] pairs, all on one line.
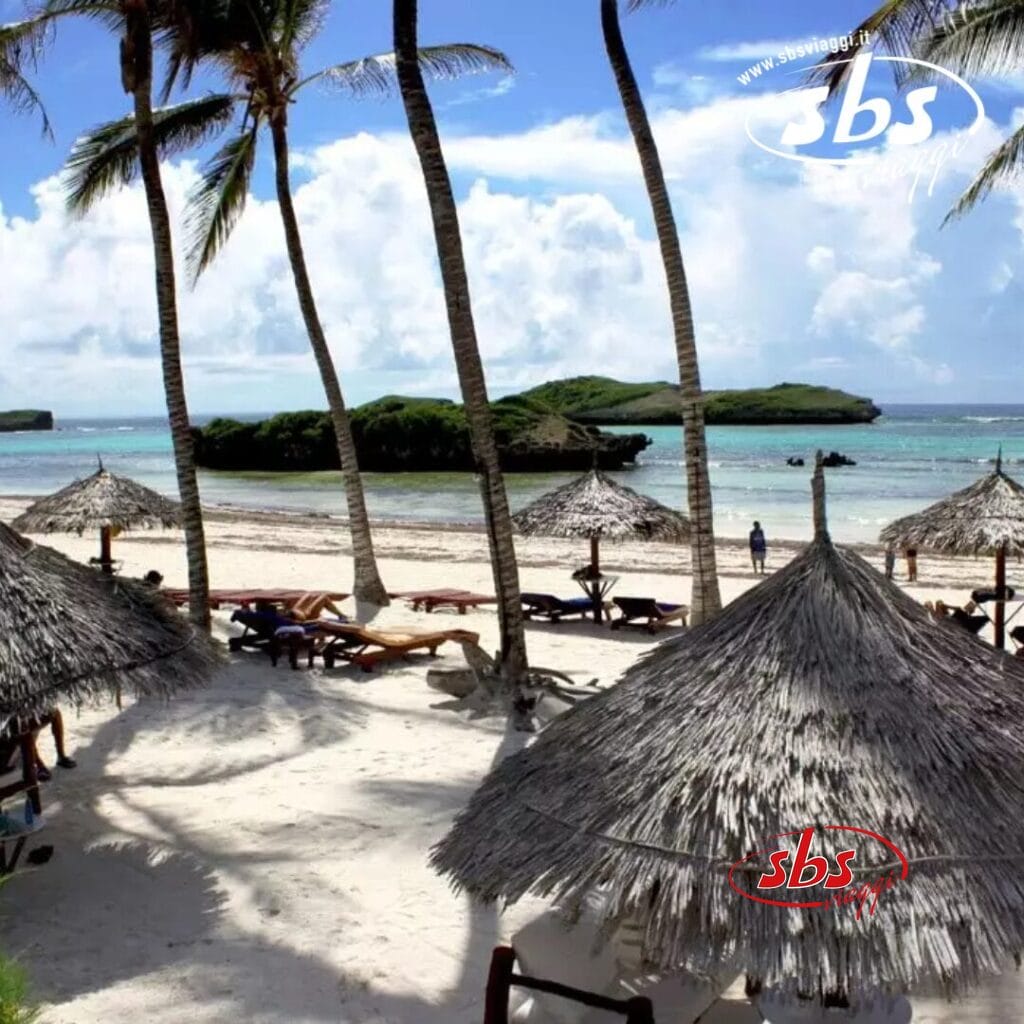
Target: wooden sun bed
{"points": [[247, 598], [366, 647], [554, 609], [646, 613], [428, 600]]}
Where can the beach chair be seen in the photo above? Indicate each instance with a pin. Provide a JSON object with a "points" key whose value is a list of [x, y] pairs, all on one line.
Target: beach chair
{"points": [[366, 647], [268, 629], [554, 609], [502, 979], [460, 600], [646, 613]]}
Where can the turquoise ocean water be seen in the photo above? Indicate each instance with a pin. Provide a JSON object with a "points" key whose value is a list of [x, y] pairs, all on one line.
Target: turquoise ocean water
{"points": [[911, 456]]}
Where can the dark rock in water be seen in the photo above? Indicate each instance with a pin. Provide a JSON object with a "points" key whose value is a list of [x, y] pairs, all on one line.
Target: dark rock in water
{"points": [[836, 459], [25, 419], [794, 460]]}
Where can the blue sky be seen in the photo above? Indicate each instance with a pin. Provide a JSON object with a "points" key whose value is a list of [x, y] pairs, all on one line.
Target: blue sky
{"points": [[795, 274]]}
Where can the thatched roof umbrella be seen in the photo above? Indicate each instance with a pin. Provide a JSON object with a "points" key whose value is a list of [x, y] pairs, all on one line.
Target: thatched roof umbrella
{"points": [[986, 518], [596, 507], [823, 696], [69, 632], [101, 502]]}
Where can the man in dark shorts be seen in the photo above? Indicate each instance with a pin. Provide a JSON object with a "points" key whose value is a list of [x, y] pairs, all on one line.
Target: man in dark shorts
{"points": [[758, 548], [9, 743]]}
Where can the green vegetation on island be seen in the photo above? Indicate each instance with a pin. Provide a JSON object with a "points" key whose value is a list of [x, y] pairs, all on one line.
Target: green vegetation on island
{"points": [[601, 400], [25, 419], [397, 434]]}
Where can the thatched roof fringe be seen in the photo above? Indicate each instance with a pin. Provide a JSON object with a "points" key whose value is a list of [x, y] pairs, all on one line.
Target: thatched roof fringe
{"points": [[596, 506], [69, 632], [97, 501]]}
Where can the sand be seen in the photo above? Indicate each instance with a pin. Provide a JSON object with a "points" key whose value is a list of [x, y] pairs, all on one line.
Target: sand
{"points": [[256, 850]]}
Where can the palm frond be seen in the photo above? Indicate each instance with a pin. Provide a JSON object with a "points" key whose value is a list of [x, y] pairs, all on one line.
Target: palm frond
{"points": [[298, 22], [986, 39], [107, 156], [639, 5], [217, 203], [108, 13], [898, 27], [377, 75], [20, 45], [1003, 165]]}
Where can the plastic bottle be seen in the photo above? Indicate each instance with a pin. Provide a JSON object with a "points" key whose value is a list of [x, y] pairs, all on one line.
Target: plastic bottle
{"points": [[29, 815]]}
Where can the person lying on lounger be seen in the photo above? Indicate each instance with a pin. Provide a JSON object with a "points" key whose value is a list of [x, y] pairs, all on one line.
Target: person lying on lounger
{"points": [[310, 606], [9, 744], [964, 617]]}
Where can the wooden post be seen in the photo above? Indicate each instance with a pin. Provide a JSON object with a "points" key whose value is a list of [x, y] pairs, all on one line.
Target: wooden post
{"points": [[499, 981], [106, 561], [1000, 616], [595, 573]]}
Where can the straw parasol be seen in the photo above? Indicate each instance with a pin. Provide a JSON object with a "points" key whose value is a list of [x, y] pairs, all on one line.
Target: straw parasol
{"points": [[69, 632], [986, 518], [101, 501], [596, 507], [822, 696]]}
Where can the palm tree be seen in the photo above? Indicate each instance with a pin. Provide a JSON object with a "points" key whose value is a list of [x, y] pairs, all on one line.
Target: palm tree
{"points": [[135, 22], [985, 38], [706, 599], [448, 240], [258, 50]]}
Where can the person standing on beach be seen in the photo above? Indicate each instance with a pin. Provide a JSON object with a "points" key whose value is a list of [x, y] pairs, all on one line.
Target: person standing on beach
{"points": [[758, 547], [911, 556], [890, 561]]}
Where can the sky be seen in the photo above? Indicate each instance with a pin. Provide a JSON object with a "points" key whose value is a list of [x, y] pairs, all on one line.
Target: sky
{"points": [[833, 274]]}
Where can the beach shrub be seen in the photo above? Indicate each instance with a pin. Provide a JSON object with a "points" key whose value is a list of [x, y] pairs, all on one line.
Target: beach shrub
{"points": [[16, 1006]]}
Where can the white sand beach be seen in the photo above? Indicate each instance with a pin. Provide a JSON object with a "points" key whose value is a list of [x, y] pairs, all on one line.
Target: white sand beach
{"points": [[256, 850]]}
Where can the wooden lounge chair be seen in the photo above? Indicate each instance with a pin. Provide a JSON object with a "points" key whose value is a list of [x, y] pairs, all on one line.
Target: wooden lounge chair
{"points": [[554, 609], [366, 647], [502, 978], [249, 598], [267, 629], [428, 600], [646, 613]]}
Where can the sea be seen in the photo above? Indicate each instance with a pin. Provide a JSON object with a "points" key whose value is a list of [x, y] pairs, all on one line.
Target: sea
{"points": [[912, 455]]}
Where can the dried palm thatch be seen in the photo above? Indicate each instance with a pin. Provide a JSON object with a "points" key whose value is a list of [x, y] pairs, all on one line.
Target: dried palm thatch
{"points": [[981, 519], [595, 506], [822, 696], [68, 632], [100, 500]]}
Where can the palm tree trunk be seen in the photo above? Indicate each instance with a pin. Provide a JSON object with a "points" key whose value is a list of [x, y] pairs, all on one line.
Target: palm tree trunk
{"points": [[368, 585], [137, 78], [706, 600], [448, 239]]}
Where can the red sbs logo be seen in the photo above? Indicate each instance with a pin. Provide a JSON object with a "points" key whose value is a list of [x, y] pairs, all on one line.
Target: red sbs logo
{"points": [[800, 878]]}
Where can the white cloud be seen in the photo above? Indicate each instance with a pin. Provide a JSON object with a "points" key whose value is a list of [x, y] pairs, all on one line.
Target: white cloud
{"points": [[754, 50], [783, 261]]}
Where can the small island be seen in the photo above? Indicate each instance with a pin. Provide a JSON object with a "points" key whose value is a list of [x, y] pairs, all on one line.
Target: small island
{"points": [[397, 434], [604, 401], [25, 419]]}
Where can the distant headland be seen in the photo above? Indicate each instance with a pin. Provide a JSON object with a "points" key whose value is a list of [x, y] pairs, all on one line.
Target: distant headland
{"points": [[25, 419], [553, 427], [602, 401]]}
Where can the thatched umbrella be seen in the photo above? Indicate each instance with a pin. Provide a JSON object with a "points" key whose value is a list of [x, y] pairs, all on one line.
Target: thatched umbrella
{"points": [[823, 696], [69, 632], [596, 507], [986, 518], [101, 502]]}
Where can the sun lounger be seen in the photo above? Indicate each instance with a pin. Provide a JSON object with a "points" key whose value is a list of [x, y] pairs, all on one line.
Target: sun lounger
{"points": [[267, 629], [502, 978], [646, 613], [366, 647], [428, 600], [554, 609]]}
